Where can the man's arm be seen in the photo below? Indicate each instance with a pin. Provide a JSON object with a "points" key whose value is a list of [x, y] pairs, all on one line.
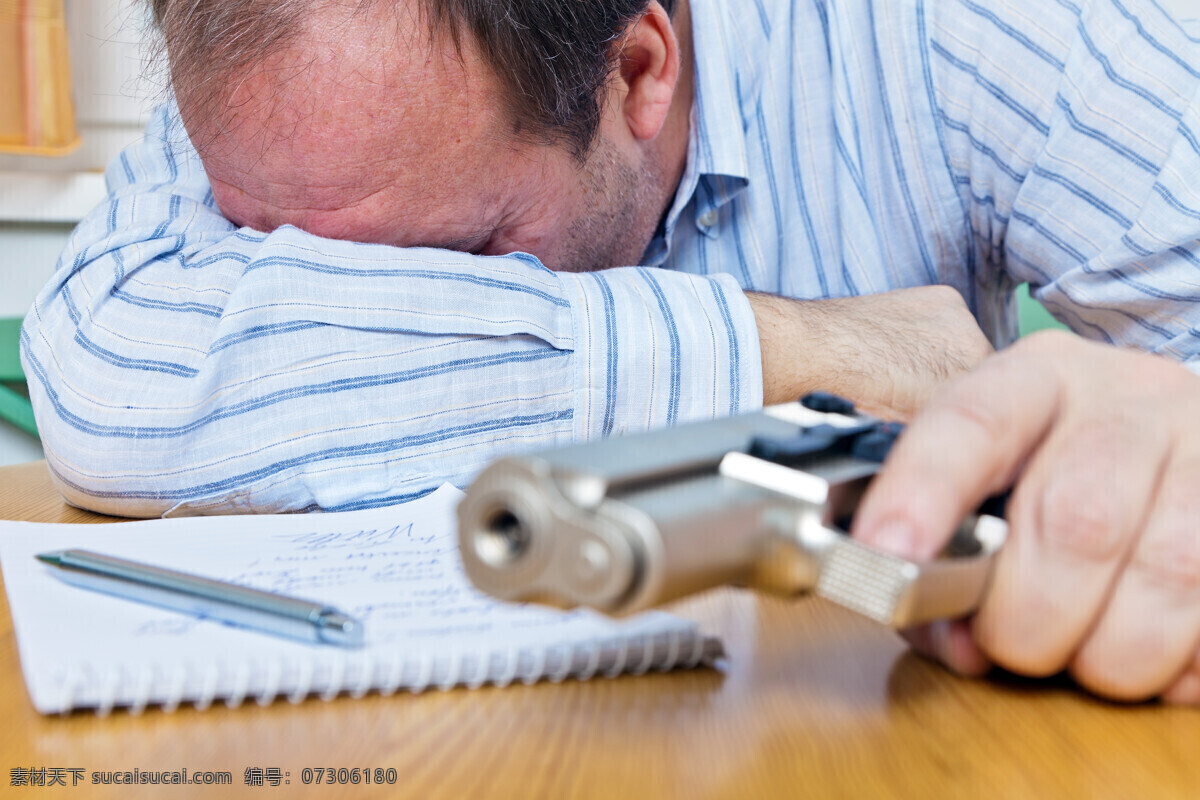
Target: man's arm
{"points": [[887, 352], [178, 363]]}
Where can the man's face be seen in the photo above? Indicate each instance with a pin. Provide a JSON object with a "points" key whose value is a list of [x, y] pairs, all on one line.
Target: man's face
{"points": [[364, 131]]}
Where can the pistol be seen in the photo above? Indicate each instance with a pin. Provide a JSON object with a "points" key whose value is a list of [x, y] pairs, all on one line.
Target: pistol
{"points": [[759, 500]]}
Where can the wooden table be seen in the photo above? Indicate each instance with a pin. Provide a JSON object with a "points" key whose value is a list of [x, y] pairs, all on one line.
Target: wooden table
{"points": [[815, 702]]}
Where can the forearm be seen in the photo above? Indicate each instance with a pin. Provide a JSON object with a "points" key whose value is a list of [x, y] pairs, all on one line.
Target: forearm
{"points": [[798, 355], [887, 352], [328, 398]]}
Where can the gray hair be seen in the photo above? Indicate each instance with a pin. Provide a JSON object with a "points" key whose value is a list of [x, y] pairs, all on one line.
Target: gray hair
{"points": [[553, 57]]}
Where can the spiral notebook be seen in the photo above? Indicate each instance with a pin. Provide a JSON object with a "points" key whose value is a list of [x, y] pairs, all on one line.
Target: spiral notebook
{"points": [[397, 569]]}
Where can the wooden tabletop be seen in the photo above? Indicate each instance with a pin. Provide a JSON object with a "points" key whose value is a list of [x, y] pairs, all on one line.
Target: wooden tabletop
{"points": [[814, 702]]}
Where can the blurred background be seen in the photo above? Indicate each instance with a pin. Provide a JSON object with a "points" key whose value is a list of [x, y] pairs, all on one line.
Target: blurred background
{"points": [[53, 151]]}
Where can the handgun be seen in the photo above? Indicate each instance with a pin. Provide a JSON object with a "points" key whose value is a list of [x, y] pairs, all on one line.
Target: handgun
{"points": [[761, 500]]}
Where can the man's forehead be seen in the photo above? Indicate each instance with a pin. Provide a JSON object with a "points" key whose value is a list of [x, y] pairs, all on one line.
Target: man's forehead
{"points": [[356, 96]]}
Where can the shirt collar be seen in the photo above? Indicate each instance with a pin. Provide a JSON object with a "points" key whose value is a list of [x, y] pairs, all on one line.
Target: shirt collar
{"points": [[726, 92]]}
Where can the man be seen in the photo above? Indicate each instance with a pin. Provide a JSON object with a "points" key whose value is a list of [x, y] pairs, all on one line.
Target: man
{"points": [[339, 297]]}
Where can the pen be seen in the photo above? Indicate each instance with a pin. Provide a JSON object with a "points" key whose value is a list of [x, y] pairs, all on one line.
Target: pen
{"points": [[203, 597]]}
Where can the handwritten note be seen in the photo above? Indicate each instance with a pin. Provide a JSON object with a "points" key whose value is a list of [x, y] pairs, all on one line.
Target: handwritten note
{"points": [[397, 569]]}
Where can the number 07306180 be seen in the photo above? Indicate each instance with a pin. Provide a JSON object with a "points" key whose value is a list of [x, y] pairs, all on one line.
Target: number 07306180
{"points": [[347, 775]]}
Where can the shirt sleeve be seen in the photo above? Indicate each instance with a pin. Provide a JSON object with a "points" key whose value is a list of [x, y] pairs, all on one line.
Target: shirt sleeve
{"points": [[179, 365], [1071, 129]]}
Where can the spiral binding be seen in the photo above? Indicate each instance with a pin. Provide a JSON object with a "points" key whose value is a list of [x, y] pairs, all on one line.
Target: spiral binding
{"points": [[302, 686], [108, 697], [336, 680], [176, 687], [274, 672], [564, 667], [241, 684], [538, 670], [648, 655], [453, 672], [145, 679], [618, 665], [367, 670], [209, 689], [481, 673], [330, 674]]}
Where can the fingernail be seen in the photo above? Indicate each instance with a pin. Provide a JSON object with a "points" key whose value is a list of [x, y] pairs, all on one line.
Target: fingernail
{"points": [[921, 641], [939, 637], [936, 640], [960, 653], [894, 537]]}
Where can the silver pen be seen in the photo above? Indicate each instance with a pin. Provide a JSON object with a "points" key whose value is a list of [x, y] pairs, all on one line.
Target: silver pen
{"points": [[206, 598]]}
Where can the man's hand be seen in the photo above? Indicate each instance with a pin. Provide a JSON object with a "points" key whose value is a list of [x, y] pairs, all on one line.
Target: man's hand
{"points": [[887, 352], [1101, 572]]}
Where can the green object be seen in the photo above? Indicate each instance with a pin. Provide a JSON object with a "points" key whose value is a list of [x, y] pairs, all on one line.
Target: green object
{"points": [[14, 403], [1033, 315], [10, 357]]}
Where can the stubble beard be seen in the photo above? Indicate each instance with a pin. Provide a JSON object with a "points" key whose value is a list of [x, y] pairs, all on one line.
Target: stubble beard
{"points": [[622, 208]]}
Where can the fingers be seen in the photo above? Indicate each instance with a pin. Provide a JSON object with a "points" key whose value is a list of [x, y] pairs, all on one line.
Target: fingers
{"points": [[1186, 689], [1148, 637], [951, 643], [968, 443], [1101, 571], [1074, 517]]}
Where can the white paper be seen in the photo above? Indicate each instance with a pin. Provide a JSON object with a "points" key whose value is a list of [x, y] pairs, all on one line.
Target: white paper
{"points": [[397, 569]]}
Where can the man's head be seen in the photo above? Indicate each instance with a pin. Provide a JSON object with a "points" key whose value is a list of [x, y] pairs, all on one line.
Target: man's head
{"points": [[556, 127]]}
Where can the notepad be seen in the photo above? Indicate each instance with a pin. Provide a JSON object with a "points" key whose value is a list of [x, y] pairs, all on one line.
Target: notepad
{"points": [[397, 569]]}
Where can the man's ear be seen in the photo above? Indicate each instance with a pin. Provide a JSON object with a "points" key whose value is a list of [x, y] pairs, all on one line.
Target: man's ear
{"points": [[649, 71]]}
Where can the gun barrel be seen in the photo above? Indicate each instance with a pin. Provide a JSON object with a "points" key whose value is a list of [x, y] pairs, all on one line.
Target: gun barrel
{"points": [[522, 540], [624, 524]]}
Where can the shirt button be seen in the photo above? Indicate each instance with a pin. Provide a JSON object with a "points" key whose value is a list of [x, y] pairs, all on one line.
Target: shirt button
{"points": [[708, 218]]}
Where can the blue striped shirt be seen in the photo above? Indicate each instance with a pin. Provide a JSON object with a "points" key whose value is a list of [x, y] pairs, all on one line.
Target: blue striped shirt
{"points": [[178, 364]]}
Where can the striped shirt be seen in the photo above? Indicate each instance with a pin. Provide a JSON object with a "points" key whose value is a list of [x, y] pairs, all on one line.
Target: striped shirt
{"points": [[178, 364]]}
